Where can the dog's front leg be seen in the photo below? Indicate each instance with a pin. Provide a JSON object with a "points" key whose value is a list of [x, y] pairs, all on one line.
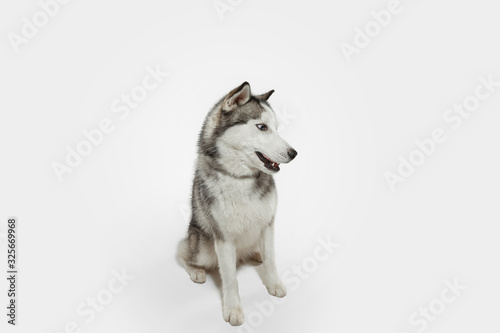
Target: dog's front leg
{"points": [[272, 280], [231, 308]]}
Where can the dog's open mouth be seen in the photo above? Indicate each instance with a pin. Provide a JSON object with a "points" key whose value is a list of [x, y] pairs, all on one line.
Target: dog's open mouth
{"points": [[268, 163]]}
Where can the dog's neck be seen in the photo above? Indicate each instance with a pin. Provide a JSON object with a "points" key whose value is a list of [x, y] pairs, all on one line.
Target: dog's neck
{"points": [[231, 163]]}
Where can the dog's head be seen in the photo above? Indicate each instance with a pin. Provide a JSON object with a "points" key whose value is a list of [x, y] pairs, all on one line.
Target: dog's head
{"points": [[246, 131]]}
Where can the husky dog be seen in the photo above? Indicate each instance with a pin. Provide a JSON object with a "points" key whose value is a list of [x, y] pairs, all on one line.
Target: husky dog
{"points": [[234, 196]]}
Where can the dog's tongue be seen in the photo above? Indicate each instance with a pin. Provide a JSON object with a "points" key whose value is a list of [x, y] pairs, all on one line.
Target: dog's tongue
{"points": [[271, 161]]}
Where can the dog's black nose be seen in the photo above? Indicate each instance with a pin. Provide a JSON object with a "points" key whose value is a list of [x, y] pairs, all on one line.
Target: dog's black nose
{"points": [[292, 153]]}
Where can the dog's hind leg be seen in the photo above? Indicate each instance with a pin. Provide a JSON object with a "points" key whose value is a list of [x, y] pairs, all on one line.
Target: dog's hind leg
{"points": [[188, 252], [257, 257], [256, 254], [197, 274]]}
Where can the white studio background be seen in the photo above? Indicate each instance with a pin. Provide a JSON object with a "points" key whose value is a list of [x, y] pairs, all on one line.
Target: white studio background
{"points": [[351, 118]]}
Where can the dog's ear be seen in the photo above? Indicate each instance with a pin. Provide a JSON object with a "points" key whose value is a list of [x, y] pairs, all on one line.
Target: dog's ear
{"points": [[237, 97], [265, 97]]}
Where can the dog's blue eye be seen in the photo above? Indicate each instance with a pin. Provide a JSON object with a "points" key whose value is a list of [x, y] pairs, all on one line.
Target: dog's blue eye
{"points": [[262, 127]]}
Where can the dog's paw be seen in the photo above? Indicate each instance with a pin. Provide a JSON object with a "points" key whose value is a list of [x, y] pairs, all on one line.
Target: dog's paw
{"points": [[277, 289], [233, 315], [198, 275]]}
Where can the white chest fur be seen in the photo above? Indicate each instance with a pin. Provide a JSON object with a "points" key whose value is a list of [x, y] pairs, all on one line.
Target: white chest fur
{"points": [[240, 211]]}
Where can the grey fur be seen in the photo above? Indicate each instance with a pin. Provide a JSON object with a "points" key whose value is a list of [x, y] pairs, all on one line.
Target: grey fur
{"points": [[226, 120], [264, 184], [202, 224]]}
